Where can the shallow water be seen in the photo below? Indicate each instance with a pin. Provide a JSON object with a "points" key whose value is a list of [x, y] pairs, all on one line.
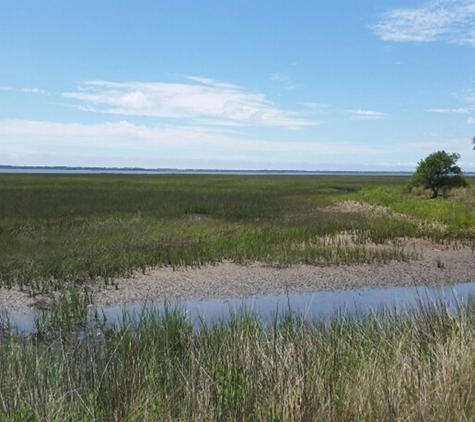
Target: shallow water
{"points": [[315, 306]]}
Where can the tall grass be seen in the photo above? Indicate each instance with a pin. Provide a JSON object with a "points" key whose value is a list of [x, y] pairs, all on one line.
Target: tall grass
{"points": [[56, 228], [383, 367]]}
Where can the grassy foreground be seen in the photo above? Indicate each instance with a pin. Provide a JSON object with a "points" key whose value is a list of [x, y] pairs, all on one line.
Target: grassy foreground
{"points": [[71, 228], [64, 230], [157, 367]]}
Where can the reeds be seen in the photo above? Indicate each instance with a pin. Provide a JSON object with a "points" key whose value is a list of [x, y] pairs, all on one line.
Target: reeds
{"points": [[156, 366]]}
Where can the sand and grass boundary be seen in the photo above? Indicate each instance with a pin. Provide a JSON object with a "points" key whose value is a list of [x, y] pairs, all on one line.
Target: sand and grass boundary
{"points": [[439, 264]]}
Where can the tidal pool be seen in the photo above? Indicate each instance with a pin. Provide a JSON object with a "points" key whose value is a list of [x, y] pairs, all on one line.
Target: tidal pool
{"points": [[313, 306]]}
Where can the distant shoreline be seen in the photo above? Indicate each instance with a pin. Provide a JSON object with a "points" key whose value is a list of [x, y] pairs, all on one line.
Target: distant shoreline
{"points": [[139, 170]]}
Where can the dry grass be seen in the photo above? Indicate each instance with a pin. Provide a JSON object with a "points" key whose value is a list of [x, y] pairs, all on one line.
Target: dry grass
{"points": [[382, 368], [463, 196]]}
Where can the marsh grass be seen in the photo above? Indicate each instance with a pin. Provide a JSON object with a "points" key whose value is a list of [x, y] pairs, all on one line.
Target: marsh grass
{"points": [[456, 212], [385, 366], [58, 229]]}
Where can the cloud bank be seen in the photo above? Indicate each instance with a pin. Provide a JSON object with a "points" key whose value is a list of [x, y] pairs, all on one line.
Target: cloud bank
{"points": [[129, 144]]}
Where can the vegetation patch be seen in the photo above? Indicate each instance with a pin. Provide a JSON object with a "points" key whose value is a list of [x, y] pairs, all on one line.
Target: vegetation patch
{"points": [[386, 366], [58, 229]]}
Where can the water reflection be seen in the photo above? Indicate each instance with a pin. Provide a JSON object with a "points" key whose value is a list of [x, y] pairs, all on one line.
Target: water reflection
{"points": [[316, 306]]}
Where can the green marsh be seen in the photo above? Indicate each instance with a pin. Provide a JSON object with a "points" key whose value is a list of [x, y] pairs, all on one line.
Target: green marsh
{"points": [[57, 231], [73, 228]]}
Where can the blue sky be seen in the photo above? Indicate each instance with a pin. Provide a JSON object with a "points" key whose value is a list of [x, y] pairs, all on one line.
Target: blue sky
{"points": [[344, 85]]}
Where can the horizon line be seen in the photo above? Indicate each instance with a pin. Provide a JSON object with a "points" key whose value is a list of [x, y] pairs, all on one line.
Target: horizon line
{"points": [[63, 167]]}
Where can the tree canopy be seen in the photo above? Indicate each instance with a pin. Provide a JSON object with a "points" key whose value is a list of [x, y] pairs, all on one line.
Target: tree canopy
{"points": [[439, 173]]}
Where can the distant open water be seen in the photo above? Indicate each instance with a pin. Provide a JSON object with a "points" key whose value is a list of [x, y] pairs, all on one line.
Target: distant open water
{"points": [[222, 172]]}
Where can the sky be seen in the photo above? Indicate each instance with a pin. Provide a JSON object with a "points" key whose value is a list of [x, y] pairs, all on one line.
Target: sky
{"points": [[367, 85]]}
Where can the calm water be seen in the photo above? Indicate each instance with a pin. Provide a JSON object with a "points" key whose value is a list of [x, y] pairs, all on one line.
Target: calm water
{"points": [[176, 171], [317, 306]]}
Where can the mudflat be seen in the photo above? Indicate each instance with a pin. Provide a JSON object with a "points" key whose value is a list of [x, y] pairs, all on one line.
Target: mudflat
{"points": [[438, 265]]}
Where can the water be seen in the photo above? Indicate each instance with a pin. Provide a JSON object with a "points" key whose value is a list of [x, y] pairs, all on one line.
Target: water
{"points": [[100, 170], [317, 306]]}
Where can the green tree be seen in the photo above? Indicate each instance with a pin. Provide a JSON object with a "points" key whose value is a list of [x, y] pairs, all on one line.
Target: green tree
{"points": [[439, 173]]}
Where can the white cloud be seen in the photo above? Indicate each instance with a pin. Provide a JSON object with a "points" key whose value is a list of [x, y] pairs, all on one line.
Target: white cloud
{"points": [[468, 96], [447, 20], [110, 134], [317, 107], [212, 82], [449, 110], [471, 121], [366, 114], [408, 164], [283, 80], [116, 133], [26, 90], [35, 91], [198, 99]]}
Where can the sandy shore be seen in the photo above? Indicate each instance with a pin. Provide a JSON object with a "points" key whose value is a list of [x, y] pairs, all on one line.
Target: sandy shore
{"points": [[438, 265]]}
